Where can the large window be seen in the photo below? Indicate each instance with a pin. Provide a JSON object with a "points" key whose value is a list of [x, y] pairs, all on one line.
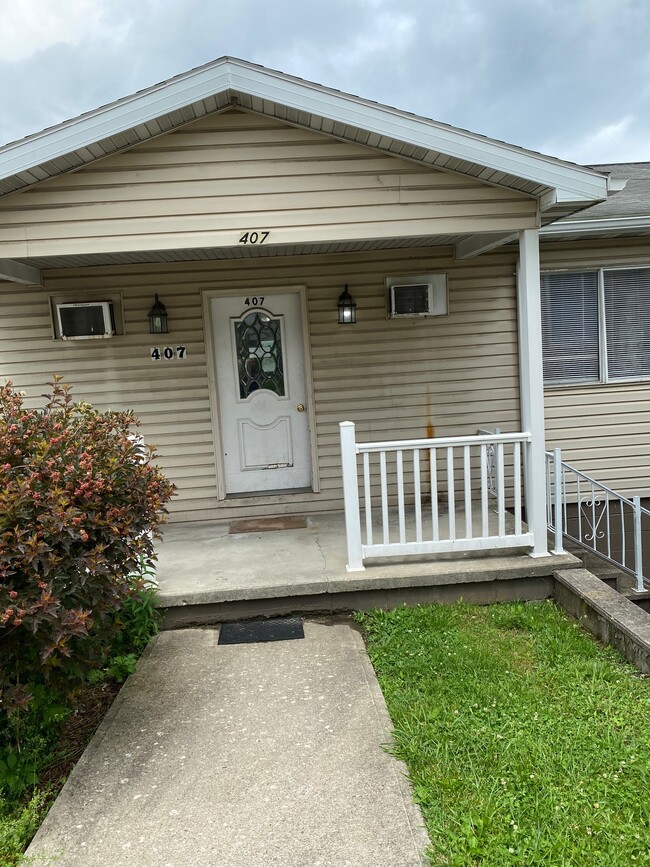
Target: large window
{"points": [[596, 325]]}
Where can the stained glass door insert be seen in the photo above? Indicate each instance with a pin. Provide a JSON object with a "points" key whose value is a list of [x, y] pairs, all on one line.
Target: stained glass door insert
{"points": [[258, 348]]}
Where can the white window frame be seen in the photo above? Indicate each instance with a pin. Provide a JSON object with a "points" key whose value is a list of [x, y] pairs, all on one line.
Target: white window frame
{"points": [[604, 378]]}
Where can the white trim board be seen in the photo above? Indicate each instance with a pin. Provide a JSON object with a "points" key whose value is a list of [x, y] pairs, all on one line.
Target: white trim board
{"points": [[604, 224]]}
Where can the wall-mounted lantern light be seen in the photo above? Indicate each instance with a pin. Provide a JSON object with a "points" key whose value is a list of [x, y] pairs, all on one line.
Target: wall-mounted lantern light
{"points": [[347, 308], [158, 318]]}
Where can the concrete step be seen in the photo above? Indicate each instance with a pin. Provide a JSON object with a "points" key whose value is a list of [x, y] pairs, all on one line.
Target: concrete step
{"points": [[482, 580], [641, 600], [615, 578]]}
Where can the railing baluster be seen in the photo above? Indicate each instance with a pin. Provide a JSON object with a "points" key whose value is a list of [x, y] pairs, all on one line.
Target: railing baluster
{"points": [[485, 523], [418, 495], [400, 496], [501, 499], [579, 507], [384, 497], [559, 502], [564, 499], [367, 499], [593, 515], [435, 517], [467, 492], [638, 545], [623, 559], [517, 483], [451, 493], [609, 535]]}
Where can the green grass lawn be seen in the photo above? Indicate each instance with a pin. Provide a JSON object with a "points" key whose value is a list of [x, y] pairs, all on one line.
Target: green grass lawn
{"points": [[527, 742]]}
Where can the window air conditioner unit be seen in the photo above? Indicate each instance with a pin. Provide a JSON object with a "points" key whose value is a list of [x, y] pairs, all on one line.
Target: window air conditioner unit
{"points": [[420, 295], [89, 320]]}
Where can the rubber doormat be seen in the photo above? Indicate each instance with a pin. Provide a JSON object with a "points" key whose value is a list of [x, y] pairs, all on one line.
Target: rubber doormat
{"points": [[262, 525], [256, 631]]}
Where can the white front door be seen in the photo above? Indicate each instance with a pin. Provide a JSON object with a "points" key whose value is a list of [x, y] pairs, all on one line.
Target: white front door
{"points": [[262, 389]]}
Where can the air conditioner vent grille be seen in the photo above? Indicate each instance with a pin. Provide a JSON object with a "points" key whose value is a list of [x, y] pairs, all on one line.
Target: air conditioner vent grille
{"points": [[416, 296]]}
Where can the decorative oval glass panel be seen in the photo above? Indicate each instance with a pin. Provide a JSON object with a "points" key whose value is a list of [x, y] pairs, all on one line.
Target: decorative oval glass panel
{"points": [[258, 346]]}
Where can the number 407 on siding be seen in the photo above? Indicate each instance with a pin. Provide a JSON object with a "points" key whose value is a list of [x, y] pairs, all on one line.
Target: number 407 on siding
{"points": [[168, 353]]}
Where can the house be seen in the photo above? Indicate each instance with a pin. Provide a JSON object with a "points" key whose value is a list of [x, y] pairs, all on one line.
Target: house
{"points": [[258, 208]]}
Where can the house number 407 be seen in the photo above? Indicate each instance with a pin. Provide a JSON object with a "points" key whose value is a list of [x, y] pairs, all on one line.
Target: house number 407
{"points": [[168, 353], [258, 237]]}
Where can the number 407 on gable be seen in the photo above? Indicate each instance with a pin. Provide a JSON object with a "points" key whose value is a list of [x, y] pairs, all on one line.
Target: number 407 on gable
{"points": [[168, 353]]}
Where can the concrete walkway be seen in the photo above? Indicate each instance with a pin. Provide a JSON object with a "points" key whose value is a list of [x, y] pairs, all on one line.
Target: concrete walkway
{"points": [[246, 755]]}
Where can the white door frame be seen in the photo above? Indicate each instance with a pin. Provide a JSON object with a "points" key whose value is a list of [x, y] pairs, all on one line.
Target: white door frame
{"points": [[211, 358]]}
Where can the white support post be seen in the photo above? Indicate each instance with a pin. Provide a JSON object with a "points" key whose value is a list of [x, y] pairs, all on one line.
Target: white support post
{"points": [[558, 501], [531, 386], [351, 497]]}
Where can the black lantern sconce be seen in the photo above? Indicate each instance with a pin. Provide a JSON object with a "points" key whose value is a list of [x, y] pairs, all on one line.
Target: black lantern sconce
{"points": [[347, 308], [158, 318]]}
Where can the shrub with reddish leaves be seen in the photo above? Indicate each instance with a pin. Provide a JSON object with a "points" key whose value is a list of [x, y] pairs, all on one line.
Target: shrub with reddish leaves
{"points": [[79, 504]]}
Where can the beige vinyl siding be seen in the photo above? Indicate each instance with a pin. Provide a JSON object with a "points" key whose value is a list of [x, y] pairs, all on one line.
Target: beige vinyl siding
{"points": [[393, 378], [603, 429], [228, 173]]}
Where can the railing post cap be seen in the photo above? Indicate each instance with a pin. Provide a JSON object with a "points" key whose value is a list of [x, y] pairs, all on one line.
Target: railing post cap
{"points": [[346, 424]]}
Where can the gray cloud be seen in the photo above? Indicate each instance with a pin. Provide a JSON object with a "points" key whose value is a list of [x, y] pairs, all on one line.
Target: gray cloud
{"points": [[569, 77]]}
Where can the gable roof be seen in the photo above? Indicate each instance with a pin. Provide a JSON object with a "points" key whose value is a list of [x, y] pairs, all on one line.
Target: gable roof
{"points": [[562, 187]]}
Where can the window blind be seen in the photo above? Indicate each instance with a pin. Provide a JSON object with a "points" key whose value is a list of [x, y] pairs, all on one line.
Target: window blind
{"points": [[627, 322], [570, 327]]}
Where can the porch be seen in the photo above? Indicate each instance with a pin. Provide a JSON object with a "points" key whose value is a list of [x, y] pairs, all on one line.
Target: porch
{"points": [[210, 572]]}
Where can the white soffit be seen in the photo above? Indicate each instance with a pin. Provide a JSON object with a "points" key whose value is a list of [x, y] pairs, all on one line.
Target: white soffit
{"points": [[200, 254], [227, 81]]}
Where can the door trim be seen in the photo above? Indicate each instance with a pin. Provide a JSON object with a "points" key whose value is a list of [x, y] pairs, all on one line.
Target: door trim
{"points": [[211, 359]]}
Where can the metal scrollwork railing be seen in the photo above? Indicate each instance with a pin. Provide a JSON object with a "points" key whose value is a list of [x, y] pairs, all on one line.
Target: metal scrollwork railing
{"points": [[492, 459], [604, 522], [593, 511]]}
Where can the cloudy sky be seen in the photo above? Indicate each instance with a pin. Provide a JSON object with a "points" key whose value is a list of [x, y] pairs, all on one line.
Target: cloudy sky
{"points": [[567, 77]]}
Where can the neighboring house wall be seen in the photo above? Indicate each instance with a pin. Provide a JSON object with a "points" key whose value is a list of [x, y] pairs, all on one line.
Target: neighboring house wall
{"points": [[603, 429], [394, 378], [208, 183]]}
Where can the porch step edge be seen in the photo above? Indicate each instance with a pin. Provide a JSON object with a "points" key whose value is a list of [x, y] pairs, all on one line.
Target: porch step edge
{"points": [[403, 575]]}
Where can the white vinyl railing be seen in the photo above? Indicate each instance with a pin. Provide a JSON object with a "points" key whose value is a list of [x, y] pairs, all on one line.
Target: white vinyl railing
{"points": [[603, 521], [430, 496]]}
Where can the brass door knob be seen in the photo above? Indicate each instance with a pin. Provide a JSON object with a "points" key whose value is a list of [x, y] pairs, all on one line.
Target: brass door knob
{"points": [[301, 407]]}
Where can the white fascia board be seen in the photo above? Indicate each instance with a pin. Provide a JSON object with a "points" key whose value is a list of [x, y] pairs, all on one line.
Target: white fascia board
{"points": [[17, 272], [110, 120], [548, 200], [601, 225], [573, 183]]}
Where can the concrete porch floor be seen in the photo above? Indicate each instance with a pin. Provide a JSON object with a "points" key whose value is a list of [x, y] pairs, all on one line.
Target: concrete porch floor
{"points": [[207, 574]]}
